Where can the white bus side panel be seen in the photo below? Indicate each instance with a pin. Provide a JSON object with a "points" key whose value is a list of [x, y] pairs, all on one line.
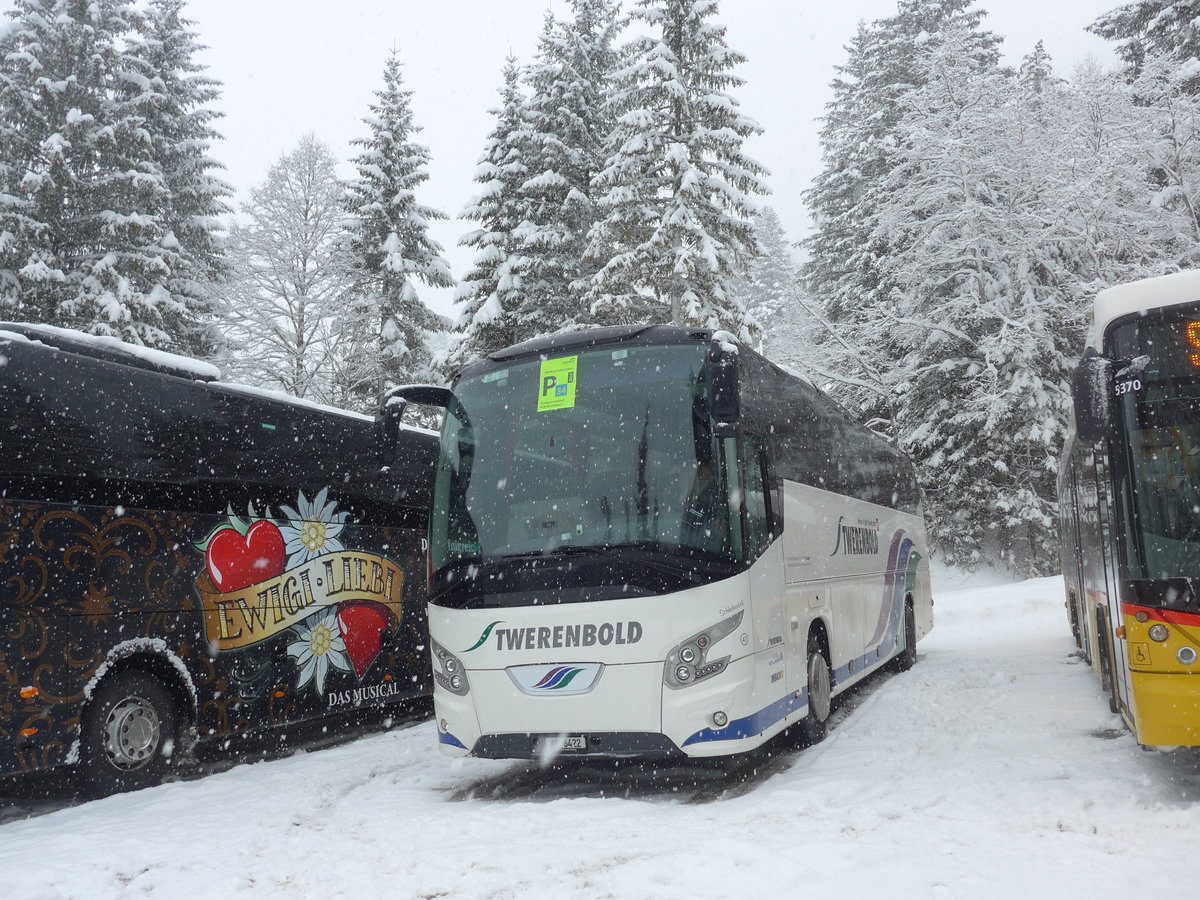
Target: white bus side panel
{"points": [[850, 564]]}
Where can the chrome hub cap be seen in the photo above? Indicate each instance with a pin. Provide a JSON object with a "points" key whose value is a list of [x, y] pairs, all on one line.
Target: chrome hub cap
{"points": [[132, 733]]}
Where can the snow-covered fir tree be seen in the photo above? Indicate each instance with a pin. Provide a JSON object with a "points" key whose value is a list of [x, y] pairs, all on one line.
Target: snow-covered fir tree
{"points": [[292, 283], [388, 235], [568, 116], [859, 144], [174, 97], [491, 292], [82, 236], [770, 283], [1168, 28], [984, 337], [676, 195]]}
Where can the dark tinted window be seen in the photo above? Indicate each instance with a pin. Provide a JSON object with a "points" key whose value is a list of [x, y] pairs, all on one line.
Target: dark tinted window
{"points": [[815, 441]]}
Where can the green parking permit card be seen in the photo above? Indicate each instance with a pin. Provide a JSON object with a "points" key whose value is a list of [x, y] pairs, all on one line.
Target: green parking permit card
{"points": [[556, 384]]}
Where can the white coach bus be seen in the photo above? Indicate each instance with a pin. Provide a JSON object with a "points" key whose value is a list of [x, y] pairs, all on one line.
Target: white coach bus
{"points": [[650, 541]]}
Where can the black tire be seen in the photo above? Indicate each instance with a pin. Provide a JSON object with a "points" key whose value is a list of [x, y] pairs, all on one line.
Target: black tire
{"points": [[128, 736], [907, 657], [813, 727]]}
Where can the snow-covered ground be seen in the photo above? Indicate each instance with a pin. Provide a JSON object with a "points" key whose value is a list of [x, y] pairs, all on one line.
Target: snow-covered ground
{"points": [[991, 769]]}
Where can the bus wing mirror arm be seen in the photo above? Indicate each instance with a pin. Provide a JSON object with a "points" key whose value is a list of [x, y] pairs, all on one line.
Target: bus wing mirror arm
{"points": [[1091, 393], [391, 412]]}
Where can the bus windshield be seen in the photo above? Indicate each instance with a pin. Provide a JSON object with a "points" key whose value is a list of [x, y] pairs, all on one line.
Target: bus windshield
{"points": [[583, 452], [1159, 409]]}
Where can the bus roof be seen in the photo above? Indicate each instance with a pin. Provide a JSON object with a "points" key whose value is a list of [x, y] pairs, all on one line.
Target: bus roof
{"points": [[1140, 296], [111, 350]]}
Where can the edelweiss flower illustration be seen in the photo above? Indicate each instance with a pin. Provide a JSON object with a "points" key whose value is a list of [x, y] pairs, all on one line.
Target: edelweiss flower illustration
{"points": [[318, 648], [312, 530]]}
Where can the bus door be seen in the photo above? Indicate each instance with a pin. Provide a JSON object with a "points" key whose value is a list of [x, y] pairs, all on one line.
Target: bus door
{"points": [[1120, 660], [763, 545]]}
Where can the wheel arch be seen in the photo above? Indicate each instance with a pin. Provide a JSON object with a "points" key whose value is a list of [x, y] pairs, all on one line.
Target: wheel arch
{"points": [[820, 629], [153, 657]]}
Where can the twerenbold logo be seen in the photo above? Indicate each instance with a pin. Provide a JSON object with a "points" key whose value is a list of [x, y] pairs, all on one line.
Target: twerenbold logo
{"points": [[554, 637], [557, 679]]}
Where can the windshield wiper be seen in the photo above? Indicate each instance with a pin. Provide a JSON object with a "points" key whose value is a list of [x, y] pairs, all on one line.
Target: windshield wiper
{"points": [[560, 550]]}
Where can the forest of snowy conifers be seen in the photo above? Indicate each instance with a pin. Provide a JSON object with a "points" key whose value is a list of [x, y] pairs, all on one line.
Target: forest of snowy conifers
{"points": [[965, 215]]}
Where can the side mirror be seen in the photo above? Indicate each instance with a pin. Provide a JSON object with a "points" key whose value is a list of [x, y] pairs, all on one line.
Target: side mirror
{"points": [[723, 383], [1092, 392], [391, 412]]}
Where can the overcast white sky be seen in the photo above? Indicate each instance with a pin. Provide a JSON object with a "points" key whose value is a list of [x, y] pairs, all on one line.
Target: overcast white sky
{"points": [[293, 66]]}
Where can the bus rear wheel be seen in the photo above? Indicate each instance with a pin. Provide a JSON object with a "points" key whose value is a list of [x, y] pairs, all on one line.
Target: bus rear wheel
{"points": [[813, 727], [907, 657], [129, 733]]}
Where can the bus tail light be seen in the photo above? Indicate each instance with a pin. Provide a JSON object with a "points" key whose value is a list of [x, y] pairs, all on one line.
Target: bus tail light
{"points": [[688, 663], [448, 670]]}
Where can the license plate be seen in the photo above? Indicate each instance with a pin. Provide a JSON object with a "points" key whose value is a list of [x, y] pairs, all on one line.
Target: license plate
{"points": [[575, 742]]}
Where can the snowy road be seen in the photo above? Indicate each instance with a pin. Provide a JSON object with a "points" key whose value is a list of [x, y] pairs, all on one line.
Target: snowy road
{"points": [[992, 769]]}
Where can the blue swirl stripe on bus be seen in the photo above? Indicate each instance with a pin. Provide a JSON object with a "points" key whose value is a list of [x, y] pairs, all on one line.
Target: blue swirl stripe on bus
{"points": [[753, 724]]}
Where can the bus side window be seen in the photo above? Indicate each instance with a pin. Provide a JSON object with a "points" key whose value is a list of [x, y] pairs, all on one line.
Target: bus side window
{"points": [[758, 525]]}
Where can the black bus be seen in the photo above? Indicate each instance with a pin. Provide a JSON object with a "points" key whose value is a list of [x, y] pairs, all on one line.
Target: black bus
{"points": [[183, 560]]}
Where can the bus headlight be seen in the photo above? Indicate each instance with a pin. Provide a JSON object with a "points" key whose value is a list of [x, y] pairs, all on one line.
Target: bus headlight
{"points": [[1158, 633], [688, 663], [448, 671]]}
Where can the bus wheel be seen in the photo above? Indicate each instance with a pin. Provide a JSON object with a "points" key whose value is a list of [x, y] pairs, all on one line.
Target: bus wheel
{"points": [[907, 657], [813, 727], [128, 735]]}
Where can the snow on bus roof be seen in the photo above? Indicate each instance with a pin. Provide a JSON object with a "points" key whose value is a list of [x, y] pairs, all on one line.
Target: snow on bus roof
{"points": [[1139, 296], [68, 339], [281, 397]]}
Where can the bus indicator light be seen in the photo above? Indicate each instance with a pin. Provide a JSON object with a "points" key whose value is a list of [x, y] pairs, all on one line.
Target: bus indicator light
{"points": [[28, 732], [28, 693], [1193, 336]]}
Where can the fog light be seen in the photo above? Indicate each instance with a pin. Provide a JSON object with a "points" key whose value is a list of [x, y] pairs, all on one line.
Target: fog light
{"points": [[1158, 633], [1186, 655], [720, 719], [683, 673]]}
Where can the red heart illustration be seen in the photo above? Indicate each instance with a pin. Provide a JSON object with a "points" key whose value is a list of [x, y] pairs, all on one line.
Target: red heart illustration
{"points": [[363, 625], [235, 562]]}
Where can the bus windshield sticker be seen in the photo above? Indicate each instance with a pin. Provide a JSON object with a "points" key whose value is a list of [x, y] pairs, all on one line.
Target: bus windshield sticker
{"points": [[556, 384]]}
